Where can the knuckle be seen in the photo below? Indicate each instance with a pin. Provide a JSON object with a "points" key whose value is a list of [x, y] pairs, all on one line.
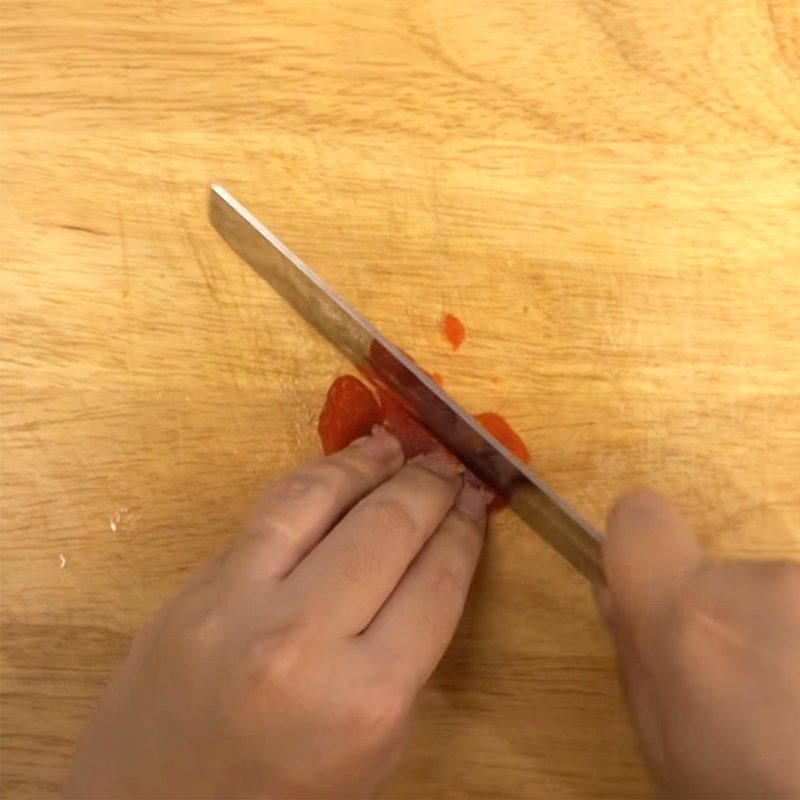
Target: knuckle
{"points": [[382, 711], [448, 582], [273, 530], [355, 467], [309, 485], [320, 483], [193, 626], [267, 673], [271, 662], [297, 488], [380, 521], [388, 518], [308, 488]]}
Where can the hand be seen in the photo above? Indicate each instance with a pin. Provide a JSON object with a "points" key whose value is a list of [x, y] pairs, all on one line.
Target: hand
{"points": [[289, 665], [709, 655]]}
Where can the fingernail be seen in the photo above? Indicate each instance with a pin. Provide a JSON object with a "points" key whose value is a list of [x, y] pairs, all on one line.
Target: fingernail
{"points": [[473, 500], [380, 445], [604, 604], [439, 464]]}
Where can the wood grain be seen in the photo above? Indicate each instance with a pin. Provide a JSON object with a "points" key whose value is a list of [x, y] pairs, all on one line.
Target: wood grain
{"points": [[605, 191]]}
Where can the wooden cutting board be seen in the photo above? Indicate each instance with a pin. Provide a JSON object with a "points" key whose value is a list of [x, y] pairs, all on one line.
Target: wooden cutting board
{"points": [[606, 192]]}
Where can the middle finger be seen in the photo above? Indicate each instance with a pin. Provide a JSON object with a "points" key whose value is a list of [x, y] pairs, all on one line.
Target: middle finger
{"points": [[352, 571]]}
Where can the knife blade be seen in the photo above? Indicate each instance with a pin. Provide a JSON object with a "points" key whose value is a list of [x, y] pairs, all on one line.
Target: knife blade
{"points": [[546, 513]]}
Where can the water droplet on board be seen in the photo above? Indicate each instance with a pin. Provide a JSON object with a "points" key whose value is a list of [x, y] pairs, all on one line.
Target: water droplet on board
{"points": [[122, 520], [62, 561]]}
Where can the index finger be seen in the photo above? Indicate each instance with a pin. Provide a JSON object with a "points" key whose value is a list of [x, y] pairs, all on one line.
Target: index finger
{"points": [[299, 510]]}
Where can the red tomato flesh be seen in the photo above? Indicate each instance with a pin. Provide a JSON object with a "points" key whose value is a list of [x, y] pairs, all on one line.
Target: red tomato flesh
{"points": [[349, 412]]}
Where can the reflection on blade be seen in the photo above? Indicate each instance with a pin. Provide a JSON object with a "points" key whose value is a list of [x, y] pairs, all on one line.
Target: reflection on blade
{"points": [[380, 360]]}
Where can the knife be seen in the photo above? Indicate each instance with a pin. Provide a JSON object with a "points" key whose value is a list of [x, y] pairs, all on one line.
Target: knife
{"points": [[552, 518]]}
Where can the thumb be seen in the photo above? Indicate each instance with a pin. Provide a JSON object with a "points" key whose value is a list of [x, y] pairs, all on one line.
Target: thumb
{"points": [[648, 553]]}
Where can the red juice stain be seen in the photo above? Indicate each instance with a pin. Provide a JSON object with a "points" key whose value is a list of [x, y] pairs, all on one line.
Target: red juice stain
{"points": [[506, 435], [454, 330], [434, 376], [349, 412]]}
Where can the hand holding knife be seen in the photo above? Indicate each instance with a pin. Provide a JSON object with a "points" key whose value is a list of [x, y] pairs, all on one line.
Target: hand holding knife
{"points": [[552, 518]]}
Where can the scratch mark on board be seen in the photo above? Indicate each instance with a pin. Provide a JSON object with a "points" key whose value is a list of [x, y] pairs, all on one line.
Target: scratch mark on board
{"points": [[126, 290], [83, 229], [193, 246]]}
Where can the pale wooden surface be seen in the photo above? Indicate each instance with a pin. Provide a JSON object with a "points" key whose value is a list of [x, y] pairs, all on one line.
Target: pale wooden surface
{"points": [[605, 191]]}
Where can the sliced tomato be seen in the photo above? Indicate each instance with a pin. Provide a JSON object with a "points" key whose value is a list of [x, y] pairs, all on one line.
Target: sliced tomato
{"points": [[349, 412]]}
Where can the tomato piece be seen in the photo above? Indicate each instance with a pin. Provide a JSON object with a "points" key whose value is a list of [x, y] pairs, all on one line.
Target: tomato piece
{"points": [[349, 412], [454, 330]]}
